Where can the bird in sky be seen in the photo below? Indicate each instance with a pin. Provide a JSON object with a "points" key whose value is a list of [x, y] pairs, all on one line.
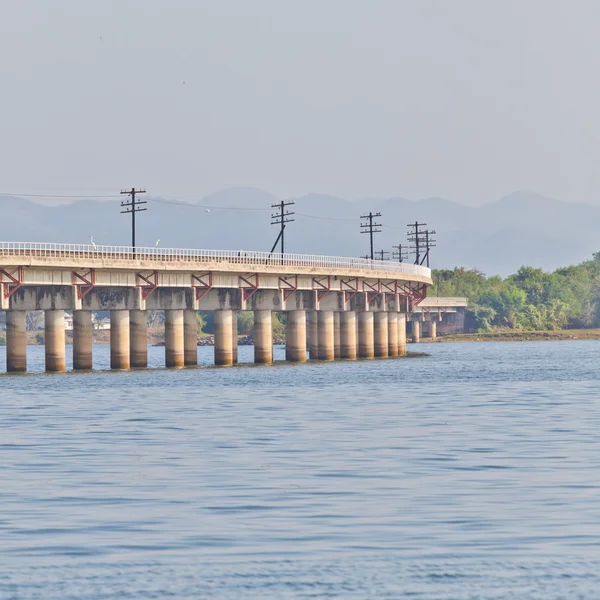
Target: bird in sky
{"points": [[92, 241], [157, 243]]}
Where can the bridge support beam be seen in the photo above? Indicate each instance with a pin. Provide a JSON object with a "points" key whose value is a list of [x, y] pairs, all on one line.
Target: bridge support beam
{"points": [[119, 339], [234, 333], [223, 337], [393, 334], [295, 336], [337, 335], [190, 338], [326, 335], [55, 341], [138, 339], [366, 335], [381, 335], [313, 335], [416, 331], [16, 341], [174, 354], [348, 335], [82, 339], [263, 337], [401, 334]]}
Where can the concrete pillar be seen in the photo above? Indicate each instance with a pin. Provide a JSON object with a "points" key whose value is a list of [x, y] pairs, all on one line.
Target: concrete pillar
{"points": [[190, 338], [138, 339], [16, 340], [295, 336], [366, 335], [223, 337], [55, 340], [381, 334], [348, 335], [433, 329], [313, 334], [401, 334], [82, 339], [234, 337], [393, 334], [174, 354], [119, 339], [416, 331], [337, 336], [263, 337], [326, 335]]}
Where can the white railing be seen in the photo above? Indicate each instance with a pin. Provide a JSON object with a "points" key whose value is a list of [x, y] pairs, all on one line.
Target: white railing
{"points": [[240, 257], [444, 301]]}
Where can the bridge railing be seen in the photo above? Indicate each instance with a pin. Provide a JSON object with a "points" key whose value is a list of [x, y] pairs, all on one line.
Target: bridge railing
{"points": [[241, 257]]}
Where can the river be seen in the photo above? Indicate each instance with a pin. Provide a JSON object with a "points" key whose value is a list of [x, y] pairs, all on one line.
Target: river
{"points": [[471, 473]]}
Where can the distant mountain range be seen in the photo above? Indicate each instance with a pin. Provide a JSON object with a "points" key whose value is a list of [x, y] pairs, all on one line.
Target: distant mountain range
{"points": [[497, 238]]}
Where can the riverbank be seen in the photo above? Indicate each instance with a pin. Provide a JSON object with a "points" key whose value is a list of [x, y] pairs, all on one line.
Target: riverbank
{"points": [[520, 336]]}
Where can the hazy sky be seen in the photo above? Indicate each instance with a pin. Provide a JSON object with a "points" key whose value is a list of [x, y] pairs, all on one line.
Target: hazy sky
{"points": [[468, 100]]}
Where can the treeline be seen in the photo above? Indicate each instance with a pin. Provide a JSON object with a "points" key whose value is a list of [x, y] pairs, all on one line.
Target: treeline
{"points": [[531, 299]]}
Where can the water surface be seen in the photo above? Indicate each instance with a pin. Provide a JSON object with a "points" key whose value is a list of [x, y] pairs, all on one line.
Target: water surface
{"points": [[471, 473]]}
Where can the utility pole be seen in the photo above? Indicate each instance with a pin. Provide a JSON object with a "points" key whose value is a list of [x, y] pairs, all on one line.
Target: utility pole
{"points": [[370, 228], [381, 254], [429, 243], [131, 207], [281, 219], [422, 240], [400, 252], [416, 236]]}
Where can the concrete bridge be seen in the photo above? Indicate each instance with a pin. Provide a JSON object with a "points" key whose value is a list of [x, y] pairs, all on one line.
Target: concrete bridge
{"points": [[431, 312], [345, 307]]}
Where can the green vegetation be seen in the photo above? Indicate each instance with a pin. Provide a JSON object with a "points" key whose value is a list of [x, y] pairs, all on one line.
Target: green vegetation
{"points": [[530, 300]]}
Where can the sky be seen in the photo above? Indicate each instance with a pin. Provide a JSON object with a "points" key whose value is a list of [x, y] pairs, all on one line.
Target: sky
{"points": [[463, 99]]}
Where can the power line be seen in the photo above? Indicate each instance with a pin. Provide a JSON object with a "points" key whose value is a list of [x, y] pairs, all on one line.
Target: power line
{"points": [[382, 254], [281, 219], [131, 207], [370, 227], [17, 195]]}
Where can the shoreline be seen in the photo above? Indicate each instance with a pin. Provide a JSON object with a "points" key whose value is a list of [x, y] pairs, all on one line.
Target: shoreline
{"points": [[519, 336]]}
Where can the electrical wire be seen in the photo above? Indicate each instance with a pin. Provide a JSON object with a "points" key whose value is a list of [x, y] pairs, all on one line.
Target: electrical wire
{"points": [[6, 194]]}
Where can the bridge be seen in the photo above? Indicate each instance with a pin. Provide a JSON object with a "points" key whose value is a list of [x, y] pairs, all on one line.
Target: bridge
{"points": [[426, 316], [336, 307]]}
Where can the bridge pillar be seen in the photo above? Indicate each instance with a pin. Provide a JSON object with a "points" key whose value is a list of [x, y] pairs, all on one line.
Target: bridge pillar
{"points": [[416, 331], [295, 336], [393, 334], [326, 335], [348, 335], [223, 337], [401, 334], [174, 354], [119, 339], [313, 334], [82, 339], [366, 335], [381, 334], [138, 339], [433, 329], [337, 335], [234, 335], [16, 341], [55, 340], [263, 337], [190, 338]]}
